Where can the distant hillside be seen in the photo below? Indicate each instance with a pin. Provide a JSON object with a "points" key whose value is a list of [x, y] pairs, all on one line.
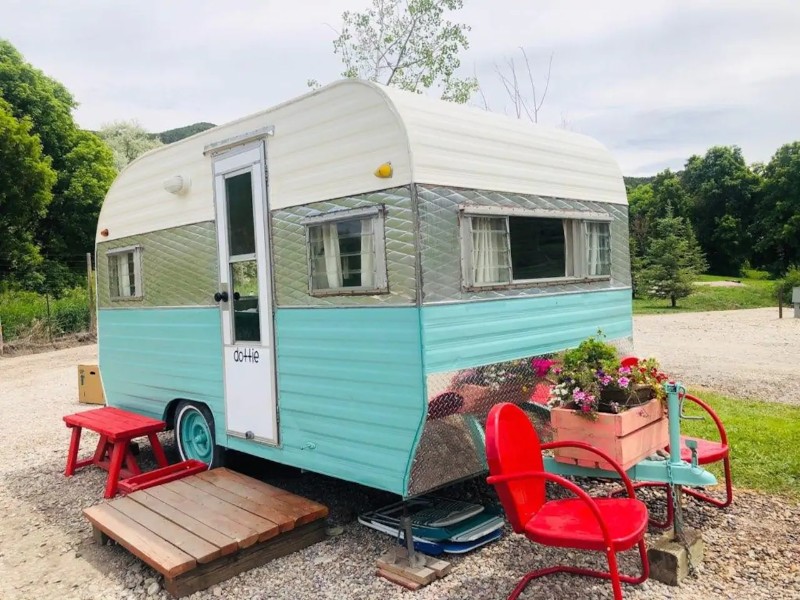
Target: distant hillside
{"points": [[173, 135], [634, 182]]}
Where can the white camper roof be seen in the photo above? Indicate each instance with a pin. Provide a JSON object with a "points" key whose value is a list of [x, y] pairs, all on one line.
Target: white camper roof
{"points": [[328, 143]]}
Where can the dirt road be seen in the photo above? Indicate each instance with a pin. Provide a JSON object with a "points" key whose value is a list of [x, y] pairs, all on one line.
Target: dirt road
{"points": [[742, 353]]}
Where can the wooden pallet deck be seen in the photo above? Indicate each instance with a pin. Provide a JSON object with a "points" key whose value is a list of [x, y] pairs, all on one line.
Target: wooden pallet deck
{"points": [[208, 527]]}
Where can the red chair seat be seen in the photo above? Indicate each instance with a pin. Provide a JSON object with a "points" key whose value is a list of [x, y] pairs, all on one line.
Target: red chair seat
{"points": [[708, 451], [570, 523]]}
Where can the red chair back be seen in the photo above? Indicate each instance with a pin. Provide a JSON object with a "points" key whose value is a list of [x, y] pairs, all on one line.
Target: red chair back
{"points": [[512, 446]]}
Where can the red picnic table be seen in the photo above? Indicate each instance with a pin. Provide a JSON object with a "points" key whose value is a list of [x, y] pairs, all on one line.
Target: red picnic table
{"points": [[117, 428]]}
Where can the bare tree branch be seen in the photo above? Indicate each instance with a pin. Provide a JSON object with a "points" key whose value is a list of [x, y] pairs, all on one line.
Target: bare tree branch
{"points": [[402, 50], [547, 81], [511, 83], [480, 89]]}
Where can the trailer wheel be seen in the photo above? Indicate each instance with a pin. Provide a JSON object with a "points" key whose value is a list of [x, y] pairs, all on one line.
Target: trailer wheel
{"points": [[194, 434]]}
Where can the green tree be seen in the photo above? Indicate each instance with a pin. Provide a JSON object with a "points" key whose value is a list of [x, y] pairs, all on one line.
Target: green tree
{"points": [[649, 202], [68, 229], [672, 261], [127, 140], [26, 179], [408, 44], [723, 193], [776, 228], [78, 158], [640, 207]]}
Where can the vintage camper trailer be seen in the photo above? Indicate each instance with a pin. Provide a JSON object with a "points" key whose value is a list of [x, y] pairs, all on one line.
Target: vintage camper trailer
{"points": [[346, 282]]}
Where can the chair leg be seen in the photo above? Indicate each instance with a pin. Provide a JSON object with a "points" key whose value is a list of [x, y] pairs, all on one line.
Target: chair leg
{"points": [[117, 456], [728, 489], [72, 456], [613, 573]]}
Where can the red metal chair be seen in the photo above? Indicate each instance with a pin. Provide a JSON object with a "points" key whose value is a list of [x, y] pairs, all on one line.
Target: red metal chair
{"points": [[708, 452], [517, 472]]}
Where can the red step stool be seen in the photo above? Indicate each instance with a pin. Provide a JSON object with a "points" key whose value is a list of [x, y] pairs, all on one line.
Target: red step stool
{"points": [[117, 428]]}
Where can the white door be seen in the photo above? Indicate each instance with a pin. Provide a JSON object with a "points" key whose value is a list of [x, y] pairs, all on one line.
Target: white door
{"points": [[245, 295]]}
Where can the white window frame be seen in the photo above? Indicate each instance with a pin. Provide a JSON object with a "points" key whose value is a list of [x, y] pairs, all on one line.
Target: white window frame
{"points": [[377, 215], [138, 281], [575, 232]]}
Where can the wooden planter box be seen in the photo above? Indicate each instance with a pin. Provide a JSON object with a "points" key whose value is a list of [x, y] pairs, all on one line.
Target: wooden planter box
{"points": [[627, 437]]}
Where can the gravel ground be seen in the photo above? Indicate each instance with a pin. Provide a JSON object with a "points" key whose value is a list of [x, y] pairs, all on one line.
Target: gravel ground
{"points": [[743, 353], [46, 549]]}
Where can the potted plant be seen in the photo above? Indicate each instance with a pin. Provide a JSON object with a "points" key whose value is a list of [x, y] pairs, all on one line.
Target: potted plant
{"points": [[615, 405]]}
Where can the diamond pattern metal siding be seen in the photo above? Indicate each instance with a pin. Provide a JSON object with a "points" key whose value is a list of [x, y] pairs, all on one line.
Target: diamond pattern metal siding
{"points": [[179, 267], [291, 259], [439, 240]]}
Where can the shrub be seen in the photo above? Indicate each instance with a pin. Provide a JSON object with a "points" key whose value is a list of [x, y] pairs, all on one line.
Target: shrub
{"points": [[70, 313], [21, 312], [783, 287], [756, 274]]}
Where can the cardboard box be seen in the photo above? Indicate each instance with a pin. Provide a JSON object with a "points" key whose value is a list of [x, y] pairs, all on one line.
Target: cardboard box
{"points": [[90, 387]]}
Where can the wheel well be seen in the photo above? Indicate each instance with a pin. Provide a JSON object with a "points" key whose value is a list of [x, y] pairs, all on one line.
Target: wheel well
{"points": [[172, 408]]}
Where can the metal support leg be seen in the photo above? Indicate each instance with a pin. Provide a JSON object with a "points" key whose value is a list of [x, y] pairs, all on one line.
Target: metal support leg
{"points": [[414, 560]]}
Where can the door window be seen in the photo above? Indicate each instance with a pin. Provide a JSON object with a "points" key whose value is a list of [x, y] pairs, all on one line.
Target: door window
{"points": [[242, 258]]}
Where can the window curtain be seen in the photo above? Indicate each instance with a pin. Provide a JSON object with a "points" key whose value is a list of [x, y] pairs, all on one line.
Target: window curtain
{"points": [[487, 251], [333, 258], [124, 275], [593, 233], [367, 253]]}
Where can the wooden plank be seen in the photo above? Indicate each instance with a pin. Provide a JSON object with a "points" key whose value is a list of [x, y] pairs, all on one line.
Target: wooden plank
{"points": [[196, 547], [225, 543], [303, 509], [244, 536], [152, 549], [439, 566], [284, 515], [228, 566], [265, 511], [421, 575], [265, 528], [399, 580]]}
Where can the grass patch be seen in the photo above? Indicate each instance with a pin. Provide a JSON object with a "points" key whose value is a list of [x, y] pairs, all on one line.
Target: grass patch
{"points": [[764, 439], [755, 293], [22, 313]]}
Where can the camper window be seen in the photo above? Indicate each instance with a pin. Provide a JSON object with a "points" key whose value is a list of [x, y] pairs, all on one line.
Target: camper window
{"points": [[125, 273], [346, 253], [512, 250]]}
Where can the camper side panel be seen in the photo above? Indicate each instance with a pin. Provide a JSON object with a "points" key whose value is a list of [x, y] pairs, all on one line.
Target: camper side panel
{"points": [[351, 393], [478, 344], [152, 356]]}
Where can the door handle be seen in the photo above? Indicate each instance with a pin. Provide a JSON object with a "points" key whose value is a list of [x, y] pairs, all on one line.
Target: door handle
{"points": [[221, 296]]}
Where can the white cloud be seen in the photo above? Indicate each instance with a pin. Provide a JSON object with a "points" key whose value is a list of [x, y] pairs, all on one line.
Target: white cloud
{"points": [[655, 81]]}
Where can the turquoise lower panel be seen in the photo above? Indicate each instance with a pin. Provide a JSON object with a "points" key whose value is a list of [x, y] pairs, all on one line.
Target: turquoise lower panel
{"points": [[458, 336], [351, 393], [151, 356]]}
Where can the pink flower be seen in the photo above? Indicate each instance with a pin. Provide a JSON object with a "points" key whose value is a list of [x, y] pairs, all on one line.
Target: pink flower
{"points": [[625, 370], [606, 380], [541, 366], [586, 407], [623, 382]]}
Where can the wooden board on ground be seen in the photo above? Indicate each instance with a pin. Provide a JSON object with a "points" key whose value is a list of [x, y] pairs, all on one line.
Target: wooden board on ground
{"points": [[208, 527], [395, 567]]}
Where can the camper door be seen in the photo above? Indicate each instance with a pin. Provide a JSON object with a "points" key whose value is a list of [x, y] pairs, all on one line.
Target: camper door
{"points": [[245, 295]]}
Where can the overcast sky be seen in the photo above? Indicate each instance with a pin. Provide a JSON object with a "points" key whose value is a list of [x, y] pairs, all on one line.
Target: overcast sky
{"points": [[655, 81]]}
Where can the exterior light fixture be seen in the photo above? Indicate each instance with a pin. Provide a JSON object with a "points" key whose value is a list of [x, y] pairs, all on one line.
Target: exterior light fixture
{"points": [[178, 184], [384, 171]]}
